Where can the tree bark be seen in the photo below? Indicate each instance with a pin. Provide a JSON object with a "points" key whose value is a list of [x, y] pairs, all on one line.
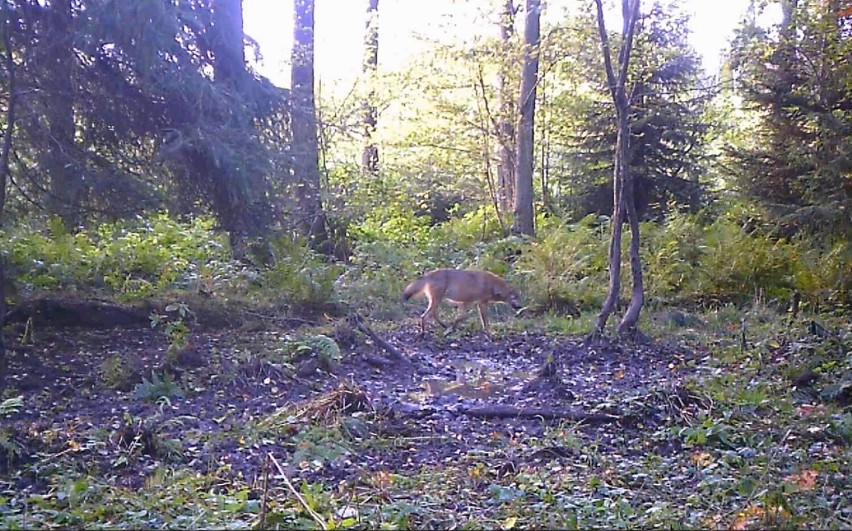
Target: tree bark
{"points": [[11, 103], [506, 127], [305, 149], [628, 324], [228, 44], [370, 156], [229, 63], [523, 205], [66, 186], [616, 224], [623, 202]]}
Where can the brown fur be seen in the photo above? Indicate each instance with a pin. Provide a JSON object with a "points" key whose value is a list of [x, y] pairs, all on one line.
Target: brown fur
{"points": [[463, 287]]}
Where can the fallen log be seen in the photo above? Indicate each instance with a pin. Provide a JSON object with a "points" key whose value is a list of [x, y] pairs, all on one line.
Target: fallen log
{"points": [[503, 411], [84, 313]]}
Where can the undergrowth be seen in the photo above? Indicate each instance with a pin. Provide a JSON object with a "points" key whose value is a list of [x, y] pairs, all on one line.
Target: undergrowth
{"points": [[687, 263]]}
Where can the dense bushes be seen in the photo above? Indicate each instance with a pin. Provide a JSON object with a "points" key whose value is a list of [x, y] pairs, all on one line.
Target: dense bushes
{"points": [[687, 261], [128, 259]]}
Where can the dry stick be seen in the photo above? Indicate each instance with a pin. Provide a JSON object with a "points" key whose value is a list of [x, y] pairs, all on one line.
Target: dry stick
{"points": [[263, 506], [503, 411], [359, 323], [288, 320], [317, 518]]}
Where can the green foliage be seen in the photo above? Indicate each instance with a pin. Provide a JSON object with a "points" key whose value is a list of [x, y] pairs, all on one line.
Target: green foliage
{"points": [[299, 276], [325, 349], [10, 406], [797, 158], [686, 260], [320, 444], [157, 388], [170, 498], [174, 328], [117, 372], [566, 266], [130, 259]]}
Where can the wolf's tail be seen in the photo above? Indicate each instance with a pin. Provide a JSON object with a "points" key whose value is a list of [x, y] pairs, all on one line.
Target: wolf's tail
{"points": [[413, 288]]}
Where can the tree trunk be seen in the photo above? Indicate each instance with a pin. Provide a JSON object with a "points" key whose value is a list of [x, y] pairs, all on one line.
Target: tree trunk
{"points": [[623, 202], [523, 207], [305, 149], [11, 103], [228, 44], [229, 63], [66, 185], [628, 323], [370, 156], [616, 224], [506, 128]]}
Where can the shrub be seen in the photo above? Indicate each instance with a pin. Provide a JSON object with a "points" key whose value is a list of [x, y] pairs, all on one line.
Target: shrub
{"points": [[157, 388], [117, 372], [299, 276], [130, 259], [567, 263]]}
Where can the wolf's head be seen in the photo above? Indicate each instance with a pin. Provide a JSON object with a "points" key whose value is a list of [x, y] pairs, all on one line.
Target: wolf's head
{"points": [[508, 294]]}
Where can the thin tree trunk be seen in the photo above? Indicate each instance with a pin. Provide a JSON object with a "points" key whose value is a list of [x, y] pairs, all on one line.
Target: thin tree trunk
{"points": [[506, 127], [305, 150], [5, 151], [545, 149], [623, 202], [616, 224], [485, 114], [523, 207], [628, 323], [370, 156], [66, 187]]}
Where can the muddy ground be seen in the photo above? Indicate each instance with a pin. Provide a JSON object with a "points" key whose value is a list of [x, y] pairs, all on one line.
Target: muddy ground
{"points": [[232, 382]]}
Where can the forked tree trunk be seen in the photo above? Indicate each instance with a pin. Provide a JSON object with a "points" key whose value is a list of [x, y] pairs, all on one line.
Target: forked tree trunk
{"points": [[370, 156], [523, 207], [616, 227], [623, 202], [628, 323]]}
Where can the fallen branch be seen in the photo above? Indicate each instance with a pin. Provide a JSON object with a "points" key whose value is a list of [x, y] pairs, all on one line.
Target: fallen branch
{"points": [[263, 503], [358, 322], [317, 518], [502, 411], [282, 320], [376, 361]]}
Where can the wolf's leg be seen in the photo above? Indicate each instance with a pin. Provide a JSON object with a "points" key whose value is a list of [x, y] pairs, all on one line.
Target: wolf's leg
{"points": [[483, 316], [461, 314], [431, 311]]}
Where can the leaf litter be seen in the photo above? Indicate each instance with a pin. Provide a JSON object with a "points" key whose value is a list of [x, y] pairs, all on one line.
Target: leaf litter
{"points": [[398, 444]]}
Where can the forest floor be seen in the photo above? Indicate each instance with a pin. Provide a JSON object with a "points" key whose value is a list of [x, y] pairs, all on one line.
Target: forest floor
{"points": [[698, 429]]}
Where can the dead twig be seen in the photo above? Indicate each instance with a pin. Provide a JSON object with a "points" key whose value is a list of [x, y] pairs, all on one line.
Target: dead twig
{"points": [[284, 320], [502, 411], [263, 505], [317, 518], [358, 322]]}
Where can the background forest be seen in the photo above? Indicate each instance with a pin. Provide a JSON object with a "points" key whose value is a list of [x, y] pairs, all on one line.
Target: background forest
{"points": [[146, 166]]}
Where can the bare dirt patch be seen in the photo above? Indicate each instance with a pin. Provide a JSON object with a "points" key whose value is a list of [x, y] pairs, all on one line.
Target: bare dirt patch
{"points": [[422, 414]]}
